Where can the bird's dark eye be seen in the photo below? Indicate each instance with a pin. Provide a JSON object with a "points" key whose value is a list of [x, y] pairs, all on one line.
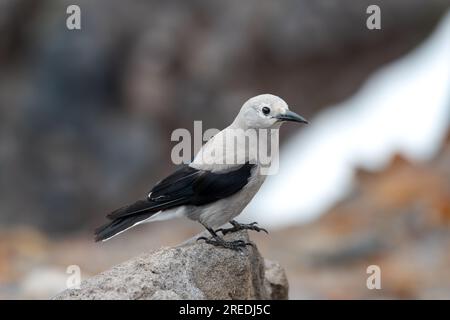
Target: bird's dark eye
{"points": [[266, 110]]}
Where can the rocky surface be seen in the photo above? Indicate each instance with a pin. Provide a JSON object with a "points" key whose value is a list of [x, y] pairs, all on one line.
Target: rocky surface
{"points": [[193, 270]]}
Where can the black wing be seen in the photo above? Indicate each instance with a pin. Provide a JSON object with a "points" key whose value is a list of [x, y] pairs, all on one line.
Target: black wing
{"points": [[188, 186]]}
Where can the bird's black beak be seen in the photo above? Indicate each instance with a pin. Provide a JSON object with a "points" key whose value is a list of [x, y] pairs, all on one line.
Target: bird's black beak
{"points": [[291, 116]]}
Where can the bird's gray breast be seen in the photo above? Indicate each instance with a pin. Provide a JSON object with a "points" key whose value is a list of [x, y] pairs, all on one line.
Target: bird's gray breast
{"points": [[217, 213]]}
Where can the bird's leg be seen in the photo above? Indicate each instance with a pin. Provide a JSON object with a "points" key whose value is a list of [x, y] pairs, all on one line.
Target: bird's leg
{"points": [[242, 226], [218, 241]]}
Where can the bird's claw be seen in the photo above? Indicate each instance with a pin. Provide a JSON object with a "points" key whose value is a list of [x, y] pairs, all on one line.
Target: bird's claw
{"points": [[233, 245], [201, 238], [253, 226], [241, 226]]}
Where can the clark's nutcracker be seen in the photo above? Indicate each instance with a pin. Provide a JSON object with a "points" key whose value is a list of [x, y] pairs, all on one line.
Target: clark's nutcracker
{"points": [[214, 188]]}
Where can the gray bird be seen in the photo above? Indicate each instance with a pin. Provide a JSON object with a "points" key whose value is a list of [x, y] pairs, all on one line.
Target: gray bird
{"points": [[214, 188]]}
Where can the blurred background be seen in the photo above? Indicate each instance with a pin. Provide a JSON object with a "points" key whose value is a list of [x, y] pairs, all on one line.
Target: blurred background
{"points": [[86, 118]]}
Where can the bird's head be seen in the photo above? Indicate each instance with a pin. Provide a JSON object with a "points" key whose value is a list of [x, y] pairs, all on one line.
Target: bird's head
{"points": [[264, 112]]}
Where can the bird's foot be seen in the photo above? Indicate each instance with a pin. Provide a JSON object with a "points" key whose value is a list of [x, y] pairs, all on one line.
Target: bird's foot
{"points": [[219, 242], [242, 226]]}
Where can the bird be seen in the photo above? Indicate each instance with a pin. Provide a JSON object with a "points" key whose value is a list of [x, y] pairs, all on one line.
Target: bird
{"points": [[214, 188]]}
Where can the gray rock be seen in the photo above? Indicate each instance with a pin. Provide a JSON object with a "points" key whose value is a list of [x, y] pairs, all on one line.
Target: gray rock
{"points": [[275, 280], [192, 270]]}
